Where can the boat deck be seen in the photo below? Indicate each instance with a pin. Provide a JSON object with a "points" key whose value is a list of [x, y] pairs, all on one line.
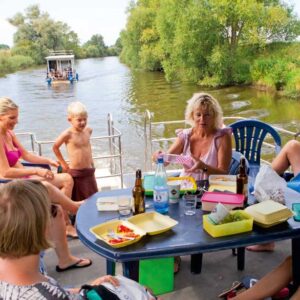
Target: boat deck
{"points": [[218, 270]]}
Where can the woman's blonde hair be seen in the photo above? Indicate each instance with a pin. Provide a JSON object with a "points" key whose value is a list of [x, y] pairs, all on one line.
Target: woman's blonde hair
{"points": [[24, 218], [204, 101], [6, 104], [76, 109]]}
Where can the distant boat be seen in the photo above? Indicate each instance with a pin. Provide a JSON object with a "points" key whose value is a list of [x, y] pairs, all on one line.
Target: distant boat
{"points": [[60, 67]]}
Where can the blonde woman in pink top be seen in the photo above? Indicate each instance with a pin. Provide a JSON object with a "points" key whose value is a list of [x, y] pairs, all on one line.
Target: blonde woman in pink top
{"points": [[206, 142]]}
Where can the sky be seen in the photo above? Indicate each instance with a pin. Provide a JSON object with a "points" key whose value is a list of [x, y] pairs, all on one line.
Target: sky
{"points": [[85, 17]]}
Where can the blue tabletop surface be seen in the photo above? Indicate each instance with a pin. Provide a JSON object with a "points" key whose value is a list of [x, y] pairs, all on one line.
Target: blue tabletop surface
{"points": [[187, 237]]}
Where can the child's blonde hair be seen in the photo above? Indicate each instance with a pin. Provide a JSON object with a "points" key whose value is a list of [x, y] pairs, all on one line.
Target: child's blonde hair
{"points": [[204, 101], [76, 109], [6, 104], [24, 217]]}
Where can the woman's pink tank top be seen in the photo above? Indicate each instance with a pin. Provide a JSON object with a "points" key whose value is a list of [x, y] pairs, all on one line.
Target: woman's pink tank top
{"points": [[12, 155], [210, 158]]}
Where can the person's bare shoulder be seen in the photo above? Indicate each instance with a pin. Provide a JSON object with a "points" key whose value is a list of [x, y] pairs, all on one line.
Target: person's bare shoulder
{"points": [[65, 136], [89, 130], [225, 141]]}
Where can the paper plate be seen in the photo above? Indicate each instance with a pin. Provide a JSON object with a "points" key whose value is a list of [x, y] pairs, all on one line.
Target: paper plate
{"points": [[153, 222]]}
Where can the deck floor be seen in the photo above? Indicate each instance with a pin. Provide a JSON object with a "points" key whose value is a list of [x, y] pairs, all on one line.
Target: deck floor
{"points": [[218, 270]]}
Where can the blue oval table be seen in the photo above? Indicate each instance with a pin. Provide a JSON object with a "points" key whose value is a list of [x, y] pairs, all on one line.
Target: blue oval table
{"points": [[186, 238]]}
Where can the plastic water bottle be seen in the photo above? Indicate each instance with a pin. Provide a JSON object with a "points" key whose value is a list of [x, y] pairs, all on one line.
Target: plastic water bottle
{"points": [[160, 188]]}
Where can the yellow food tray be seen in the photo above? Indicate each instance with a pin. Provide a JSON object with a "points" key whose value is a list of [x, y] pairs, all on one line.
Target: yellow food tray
{"points": [[269, 212], [153, 222], [101, 232], [188, 183], [229, 228], [268, 225], [147, 223]]}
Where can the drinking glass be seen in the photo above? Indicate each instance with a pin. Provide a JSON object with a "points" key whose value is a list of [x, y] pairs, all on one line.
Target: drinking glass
{"points": [[124, 206], [189, 202]]}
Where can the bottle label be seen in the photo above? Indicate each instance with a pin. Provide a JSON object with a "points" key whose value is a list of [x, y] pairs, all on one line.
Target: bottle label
{"points": [[160, 195], [245, 190]]}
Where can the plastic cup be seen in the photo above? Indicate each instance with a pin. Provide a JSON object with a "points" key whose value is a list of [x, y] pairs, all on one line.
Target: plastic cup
{"points": [[189, 202], [124, 206], [174, 191], [218, 214]]}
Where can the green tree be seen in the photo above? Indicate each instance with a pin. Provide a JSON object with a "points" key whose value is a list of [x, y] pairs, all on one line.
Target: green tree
{"points": [[37, 33], [116, 48], [140, 40], [95, 47], [4, 46], [211, 42]]}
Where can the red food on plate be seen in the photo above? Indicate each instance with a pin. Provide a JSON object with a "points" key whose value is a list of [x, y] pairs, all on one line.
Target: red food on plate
{"points": [[121, 228], [131, 235], [116, 241]]}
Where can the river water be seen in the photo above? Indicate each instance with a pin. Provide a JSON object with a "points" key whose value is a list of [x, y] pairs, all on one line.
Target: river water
{"points": [[107, 86]]}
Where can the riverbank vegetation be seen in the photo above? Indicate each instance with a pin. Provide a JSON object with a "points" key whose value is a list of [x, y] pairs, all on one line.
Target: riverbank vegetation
{"points": [[216, 42], [37, 34]]}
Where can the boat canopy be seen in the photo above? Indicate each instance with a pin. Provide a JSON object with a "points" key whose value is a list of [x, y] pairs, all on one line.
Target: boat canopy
{"points": [[60, 66], [60, 60]]}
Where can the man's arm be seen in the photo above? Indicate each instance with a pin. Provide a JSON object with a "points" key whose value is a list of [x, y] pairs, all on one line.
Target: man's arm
{"points": [[62, 139]]}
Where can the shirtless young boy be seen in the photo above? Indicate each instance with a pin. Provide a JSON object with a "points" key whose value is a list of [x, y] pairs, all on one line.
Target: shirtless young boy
{"points": [[77, 141]]}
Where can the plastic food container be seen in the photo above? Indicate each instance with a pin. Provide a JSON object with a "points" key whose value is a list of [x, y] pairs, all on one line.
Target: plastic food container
{"points": [[152, 222], [101, 232], [211, 199], [222, 183], [231, 228], [269, 213], [296, 211], [187, 184], [147, 223]]}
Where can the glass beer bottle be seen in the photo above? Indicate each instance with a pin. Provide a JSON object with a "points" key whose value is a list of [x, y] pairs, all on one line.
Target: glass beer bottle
{"points": [[138, 193], [242, 181]]}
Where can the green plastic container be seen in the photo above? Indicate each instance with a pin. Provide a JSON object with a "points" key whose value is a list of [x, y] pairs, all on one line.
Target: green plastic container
{"points": [[157, 274], [148, 183]]}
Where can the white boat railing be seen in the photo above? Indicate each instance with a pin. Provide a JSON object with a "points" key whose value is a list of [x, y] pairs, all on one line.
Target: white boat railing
{"points": [[150, 141], [112, 143], [60, 52]]}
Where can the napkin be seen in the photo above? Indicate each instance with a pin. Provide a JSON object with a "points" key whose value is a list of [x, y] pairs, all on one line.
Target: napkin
{"points": [[107, 204]]}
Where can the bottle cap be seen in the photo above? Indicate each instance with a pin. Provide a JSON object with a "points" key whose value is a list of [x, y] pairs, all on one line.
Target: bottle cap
{"points": [[59, 169], [160, 159], [138, 173]]}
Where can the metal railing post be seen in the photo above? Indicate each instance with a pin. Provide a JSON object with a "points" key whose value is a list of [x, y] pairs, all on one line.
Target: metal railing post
{"points": [[121, 162], [150, 136], [109, 125], [146, 140]]}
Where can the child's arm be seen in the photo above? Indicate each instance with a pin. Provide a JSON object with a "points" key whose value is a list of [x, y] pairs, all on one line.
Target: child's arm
{"points": [[62, 139], [90, 130]]}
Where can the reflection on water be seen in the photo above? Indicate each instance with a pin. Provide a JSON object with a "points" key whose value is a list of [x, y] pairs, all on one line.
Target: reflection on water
{"points": [[107, 86]]}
